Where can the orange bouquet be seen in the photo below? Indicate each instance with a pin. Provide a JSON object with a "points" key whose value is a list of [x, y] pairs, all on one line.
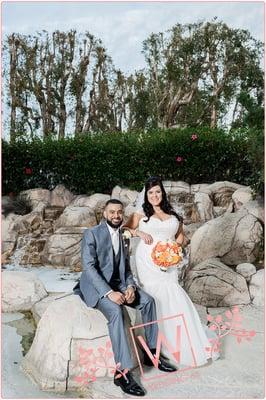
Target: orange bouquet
{"points": [[166, 254]]}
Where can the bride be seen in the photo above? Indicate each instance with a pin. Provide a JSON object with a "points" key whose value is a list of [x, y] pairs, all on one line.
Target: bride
{"points": [[157, 221]]}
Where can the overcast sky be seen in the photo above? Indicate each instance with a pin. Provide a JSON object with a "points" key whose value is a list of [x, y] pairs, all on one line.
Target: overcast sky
{"points": [[124, 25]]}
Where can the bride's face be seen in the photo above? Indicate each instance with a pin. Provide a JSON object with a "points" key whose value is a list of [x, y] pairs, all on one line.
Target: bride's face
{"points": [[155, 195]]}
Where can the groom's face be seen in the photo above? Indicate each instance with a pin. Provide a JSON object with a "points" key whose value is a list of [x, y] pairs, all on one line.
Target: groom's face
{"points": [[113, 214]]}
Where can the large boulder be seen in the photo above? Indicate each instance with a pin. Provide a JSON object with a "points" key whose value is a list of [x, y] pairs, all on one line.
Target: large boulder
{"points": [[27, 223], [76, 216], [129, 210], [213, 284], [66, 329], [234, 238], [39, 308], [256, 288], [20, 291], [255, 208], [176, 187], [95, 202], [218, 211], [190, 229], [241, 196], [9, 236], [127, 196], [200, 187], [221, 192], [204, 206], [29, 250], [37, 195], [63, 248], [61, 196], [246, 270]]}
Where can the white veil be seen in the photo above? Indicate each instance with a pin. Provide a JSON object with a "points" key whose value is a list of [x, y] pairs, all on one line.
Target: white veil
{"points": [[139, 201]]}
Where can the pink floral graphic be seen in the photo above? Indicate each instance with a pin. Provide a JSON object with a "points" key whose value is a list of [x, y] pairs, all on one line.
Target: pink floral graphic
{"points": [[231, 326], [179, 159], [194, 136], [92, 360]]}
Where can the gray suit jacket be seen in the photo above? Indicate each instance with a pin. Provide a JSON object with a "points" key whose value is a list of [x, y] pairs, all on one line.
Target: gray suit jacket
{"points": [[98, 264]]}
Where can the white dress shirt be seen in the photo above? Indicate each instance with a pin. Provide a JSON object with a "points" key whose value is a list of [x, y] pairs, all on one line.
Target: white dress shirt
{"points": [[115, 237]]}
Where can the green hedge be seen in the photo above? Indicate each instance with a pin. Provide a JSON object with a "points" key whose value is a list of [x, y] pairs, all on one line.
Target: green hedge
{"points": [[96, 163]]}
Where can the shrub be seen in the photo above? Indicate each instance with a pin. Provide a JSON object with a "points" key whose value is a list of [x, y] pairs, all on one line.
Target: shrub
{"points": [[96, 163]]}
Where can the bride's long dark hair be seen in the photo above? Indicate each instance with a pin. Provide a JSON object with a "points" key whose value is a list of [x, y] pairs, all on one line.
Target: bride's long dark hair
{"points": [[164, 205]]}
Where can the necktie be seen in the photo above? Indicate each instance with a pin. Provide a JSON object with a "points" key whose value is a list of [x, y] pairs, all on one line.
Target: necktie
{"points": [[115, 241]]}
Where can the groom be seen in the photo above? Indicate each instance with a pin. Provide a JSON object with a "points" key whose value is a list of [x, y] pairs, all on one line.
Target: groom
{"points": [[107, 283]]}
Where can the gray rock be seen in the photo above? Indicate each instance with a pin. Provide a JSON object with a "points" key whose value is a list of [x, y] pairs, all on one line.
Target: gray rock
{"points": [[9, 236], [222, 192], [213, 284], [255, 208], [67, 326], [38, 195], [218, 211], [234, 238], [190, 229], [125, 195], [63, 249], [246, 270], [76, 216], [175, 187], [241, 196], [41, 306], [60, 196], [204, 206], [256, 288], [20, 291]]}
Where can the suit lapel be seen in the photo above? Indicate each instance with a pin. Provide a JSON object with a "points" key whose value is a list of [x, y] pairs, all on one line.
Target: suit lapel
{"points": [[122, 258]]}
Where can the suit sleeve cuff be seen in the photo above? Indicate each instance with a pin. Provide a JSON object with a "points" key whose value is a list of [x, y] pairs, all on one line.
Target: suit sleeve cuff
{"points": [[133, 286], [106, 294]]}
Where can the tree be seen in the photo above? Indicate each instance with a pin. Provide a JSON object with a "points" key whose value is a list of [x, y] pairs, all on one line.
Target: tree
{"points": [[195, 75], [201, 66]]}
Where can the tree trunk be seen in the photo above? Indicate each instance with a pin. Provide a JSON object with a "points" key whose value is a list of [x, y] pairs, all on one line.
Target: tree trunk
{"points": [[12, 87]]}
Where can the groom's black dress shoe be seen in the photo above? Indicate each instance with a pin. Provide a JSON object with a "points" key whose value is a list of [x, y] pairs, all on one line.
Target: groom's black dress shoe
{"points": [[162, 364], [129, 385]]}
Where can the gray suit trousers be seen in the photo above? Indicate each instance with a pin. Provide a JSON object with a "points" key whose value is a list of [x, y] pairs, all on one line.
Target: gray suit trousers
{"points": [[114, 314]]}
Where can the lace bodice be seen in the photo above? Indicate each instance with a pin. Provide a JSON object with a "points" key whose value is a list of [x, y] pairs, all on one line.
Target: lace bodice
{"points": [[160, 230]]}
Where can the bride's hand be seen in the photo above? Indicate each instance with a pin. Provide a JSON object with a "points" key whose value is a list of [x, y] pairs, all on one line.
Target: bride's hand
{"points": [[145, 237]]}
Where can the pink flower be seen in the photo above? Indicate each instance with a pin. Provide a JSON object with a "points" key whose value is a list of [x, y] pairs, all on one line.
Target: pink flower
{"points": [[194, 137], [179, 159], [28, 171]]}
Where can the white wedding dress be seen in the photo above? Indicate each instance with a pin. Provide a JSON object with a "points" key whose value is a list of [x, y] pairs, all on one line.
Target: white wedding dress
{"points": [[171, 300]]}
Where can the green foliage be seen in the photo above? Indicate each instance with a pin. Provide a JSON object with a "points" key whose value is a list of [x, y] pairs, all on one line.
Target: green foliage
{"points": [[96, 163]]}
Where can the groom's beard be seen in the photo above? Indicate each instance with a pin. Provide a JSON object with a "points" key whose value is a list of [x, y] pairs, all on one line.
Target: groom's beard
{"points": [[114, 226]]}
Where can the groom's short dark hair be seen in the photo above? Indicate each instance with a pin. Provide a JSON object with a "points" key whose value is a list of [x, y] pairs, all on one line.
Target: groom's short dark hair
{"points": [[113, 201]]}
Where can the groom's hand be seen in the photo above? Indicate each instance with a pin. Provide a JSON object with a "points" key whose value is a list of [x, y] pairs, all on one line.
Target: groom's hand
{"points": [[116, 297], [129, 295]]}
